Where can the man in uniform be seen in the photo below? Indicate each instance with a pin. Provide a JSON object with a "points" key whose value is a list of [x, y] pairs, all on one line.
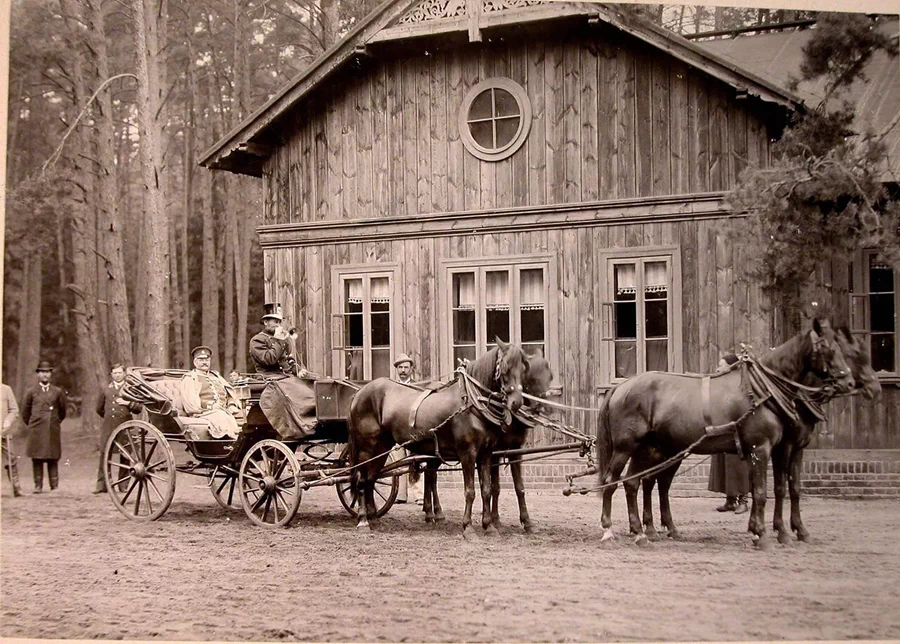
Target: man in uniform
{"points": [[8, 415], [114, 411], [205, 394], [43, 410]]}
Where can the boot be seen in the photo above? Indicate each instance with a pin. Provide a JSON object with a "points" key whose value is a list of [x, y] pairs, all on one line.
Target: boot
{"points": [[37, 471], [53, 471], [741, 505], [729, 505]]}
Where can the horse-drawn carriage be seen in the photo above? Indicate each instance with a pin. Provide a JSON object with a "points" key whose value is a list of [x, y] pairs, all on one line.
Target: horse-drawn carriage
{"points": [[258, 471]]}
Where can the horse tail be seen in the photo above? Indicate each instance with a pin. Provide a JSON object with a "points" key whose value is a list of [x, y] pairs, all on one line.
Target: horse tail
{"points": [[604, 436]]}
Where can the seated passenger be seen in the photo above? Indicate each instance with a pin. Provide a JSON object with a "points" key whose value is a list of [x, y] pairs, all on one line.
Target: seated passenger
{"points": [[205, 394], [272, 349]]}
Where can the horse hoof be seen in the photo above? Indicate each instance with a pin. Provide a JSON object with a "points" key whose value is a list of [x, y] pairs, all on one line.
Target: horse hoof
{"points": [[468, 534], [674, 535], [363, 525], [491, 531], [608, 536], [439, 518], [642, 541], [803, 535], [529, 529], [784, 538], [762, 544], [652, 535]]}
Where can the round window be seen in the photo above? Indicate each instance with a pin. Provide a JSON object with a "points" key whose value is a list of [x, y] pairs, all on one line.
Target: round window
{"points": [[495, 119]]}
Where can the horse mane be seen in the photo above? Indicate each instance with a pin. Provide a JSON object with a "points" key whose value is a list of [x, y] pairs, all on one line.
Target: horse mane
{"points": [[484, 368]]}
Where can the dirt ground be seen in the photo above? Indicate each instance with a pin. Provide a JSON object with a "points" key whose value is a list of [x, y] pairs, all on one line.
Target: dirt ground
{"points": [[73, 567]]}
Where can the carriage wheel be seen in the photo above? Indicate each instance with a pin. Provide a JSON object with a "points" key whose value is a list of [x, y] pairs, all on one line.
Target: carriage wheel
{"points": [[385, 491], [224, 488], [269, 484], [140, 470]]}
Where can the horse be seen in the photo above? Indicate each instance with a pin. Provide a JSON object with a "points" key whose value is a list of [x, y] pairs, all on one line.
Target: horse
{"points": [[668, 413], [787, 457], [441, 422], [537, 382]]}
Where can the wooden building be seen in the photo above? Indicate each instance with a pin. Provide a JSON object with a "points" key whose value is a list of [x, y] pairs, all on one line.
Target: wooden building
{"points": [[550, 173]]}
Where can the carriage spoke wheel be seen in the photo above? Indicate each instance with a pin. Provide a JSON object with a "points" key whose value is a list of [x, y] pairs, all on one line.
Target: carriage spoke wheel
{"points": [[269, 484], [224, 487], [140, 470], [385, 491]]}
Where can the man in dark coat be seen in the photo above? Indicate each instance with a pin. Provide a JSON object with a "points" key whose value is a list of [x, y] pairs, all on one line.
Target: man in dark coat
{"points": [[43, 410], [289, 400], [114, 411]]}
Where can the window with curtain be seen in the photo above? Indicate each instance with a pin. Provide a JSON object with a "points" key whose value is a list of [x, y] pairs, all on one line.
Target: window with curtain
{"points": [[873, 309], [500, 300], [363, 329], [640, 314]]}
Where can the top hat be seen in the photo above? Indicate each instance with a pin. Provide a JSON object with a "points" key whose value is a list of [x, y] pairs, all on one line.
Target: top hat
{"points": [[44, 365], [203, 349], [403, 358], [272, 311]]}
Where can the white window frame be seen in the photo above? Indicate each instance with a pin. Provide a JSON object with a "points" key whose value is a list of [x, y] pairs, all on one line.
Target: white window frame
{"points": [[639, 255], [481, 265], [365, 272], [525, 116]]}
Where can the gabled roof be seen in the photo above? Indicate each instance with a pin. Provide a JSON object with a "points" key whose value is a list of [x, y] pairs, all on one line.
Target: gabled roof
{"points": [[776, 57], [243, 150]]}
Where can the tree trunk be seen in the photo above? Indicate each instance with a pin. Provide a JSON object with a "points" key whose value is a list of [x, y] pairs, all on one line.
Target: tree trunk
{"points": [[228, 275], [112, 272], [210, 283], [153, 338], [188, 185], [240, 217], [29, 322]]}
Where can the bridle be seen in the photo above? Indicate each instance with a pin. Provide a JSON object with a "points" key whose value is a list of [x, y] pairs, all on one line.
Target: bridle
{"points": [[819, 360], [498, 376]]}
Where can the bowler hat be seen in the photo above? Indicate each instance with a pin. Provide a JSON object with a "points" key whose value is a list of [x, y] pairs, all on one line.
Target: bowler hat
{"points": [[272, 311], [403, 358], [44, 365], [202, 348]]}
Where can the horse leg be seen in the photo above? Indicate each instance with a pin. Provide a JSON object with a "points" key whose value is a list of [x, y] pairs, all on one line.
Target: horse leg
{"points": [[495, 491], [429, 488], [664, 481], [484, 477], [467, 464], [436, 500], [794, 468], [780, 457], [759, 462], [649, 529], [613, 473], [515, 469]]}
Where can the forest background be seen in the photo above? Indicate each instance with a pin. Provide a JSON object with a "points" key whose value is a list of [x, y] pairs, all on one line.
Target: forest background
{"points": [[119, 248]]}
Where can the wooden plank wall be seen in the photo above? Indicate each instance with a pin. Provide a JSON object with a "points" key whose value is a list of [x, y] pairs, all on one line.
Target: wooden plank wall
{"points": [[612, 118]]}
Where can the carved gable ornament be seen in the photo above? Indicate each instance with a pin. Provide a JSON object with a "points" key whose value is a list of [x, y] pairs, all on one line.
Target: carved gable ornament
{"points": [[470, 10]]}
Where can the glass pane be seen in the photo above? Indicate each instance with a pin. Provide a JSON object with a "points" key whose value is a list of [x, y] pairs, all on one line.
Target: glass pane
{"points": [[353, 296], [381, 329], [506, 131], [497, 287], [353, 330], [481, 106], [483, 133], [498, 324], [505, 104], [626, 359], [625, 285], [531, 286], [881, 276], [657, 355], [657, 318], [464, 290], [883, 352], [882, 312], [626, 320], [381, 363], [355, 365], [532, 321], [463, 353], [463, 327]]}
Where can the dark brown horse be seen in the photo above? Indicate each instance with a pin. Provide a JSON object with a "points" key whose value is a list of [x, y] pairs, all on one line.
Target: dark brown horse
{"points": [[787, 456], [384, 413], [668, 413], [537, 383]]}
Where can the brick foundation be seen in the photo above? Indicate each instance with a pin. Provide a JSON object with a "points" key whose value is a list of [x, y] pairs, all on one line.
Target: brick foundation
{"points": [[834, 473]]}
